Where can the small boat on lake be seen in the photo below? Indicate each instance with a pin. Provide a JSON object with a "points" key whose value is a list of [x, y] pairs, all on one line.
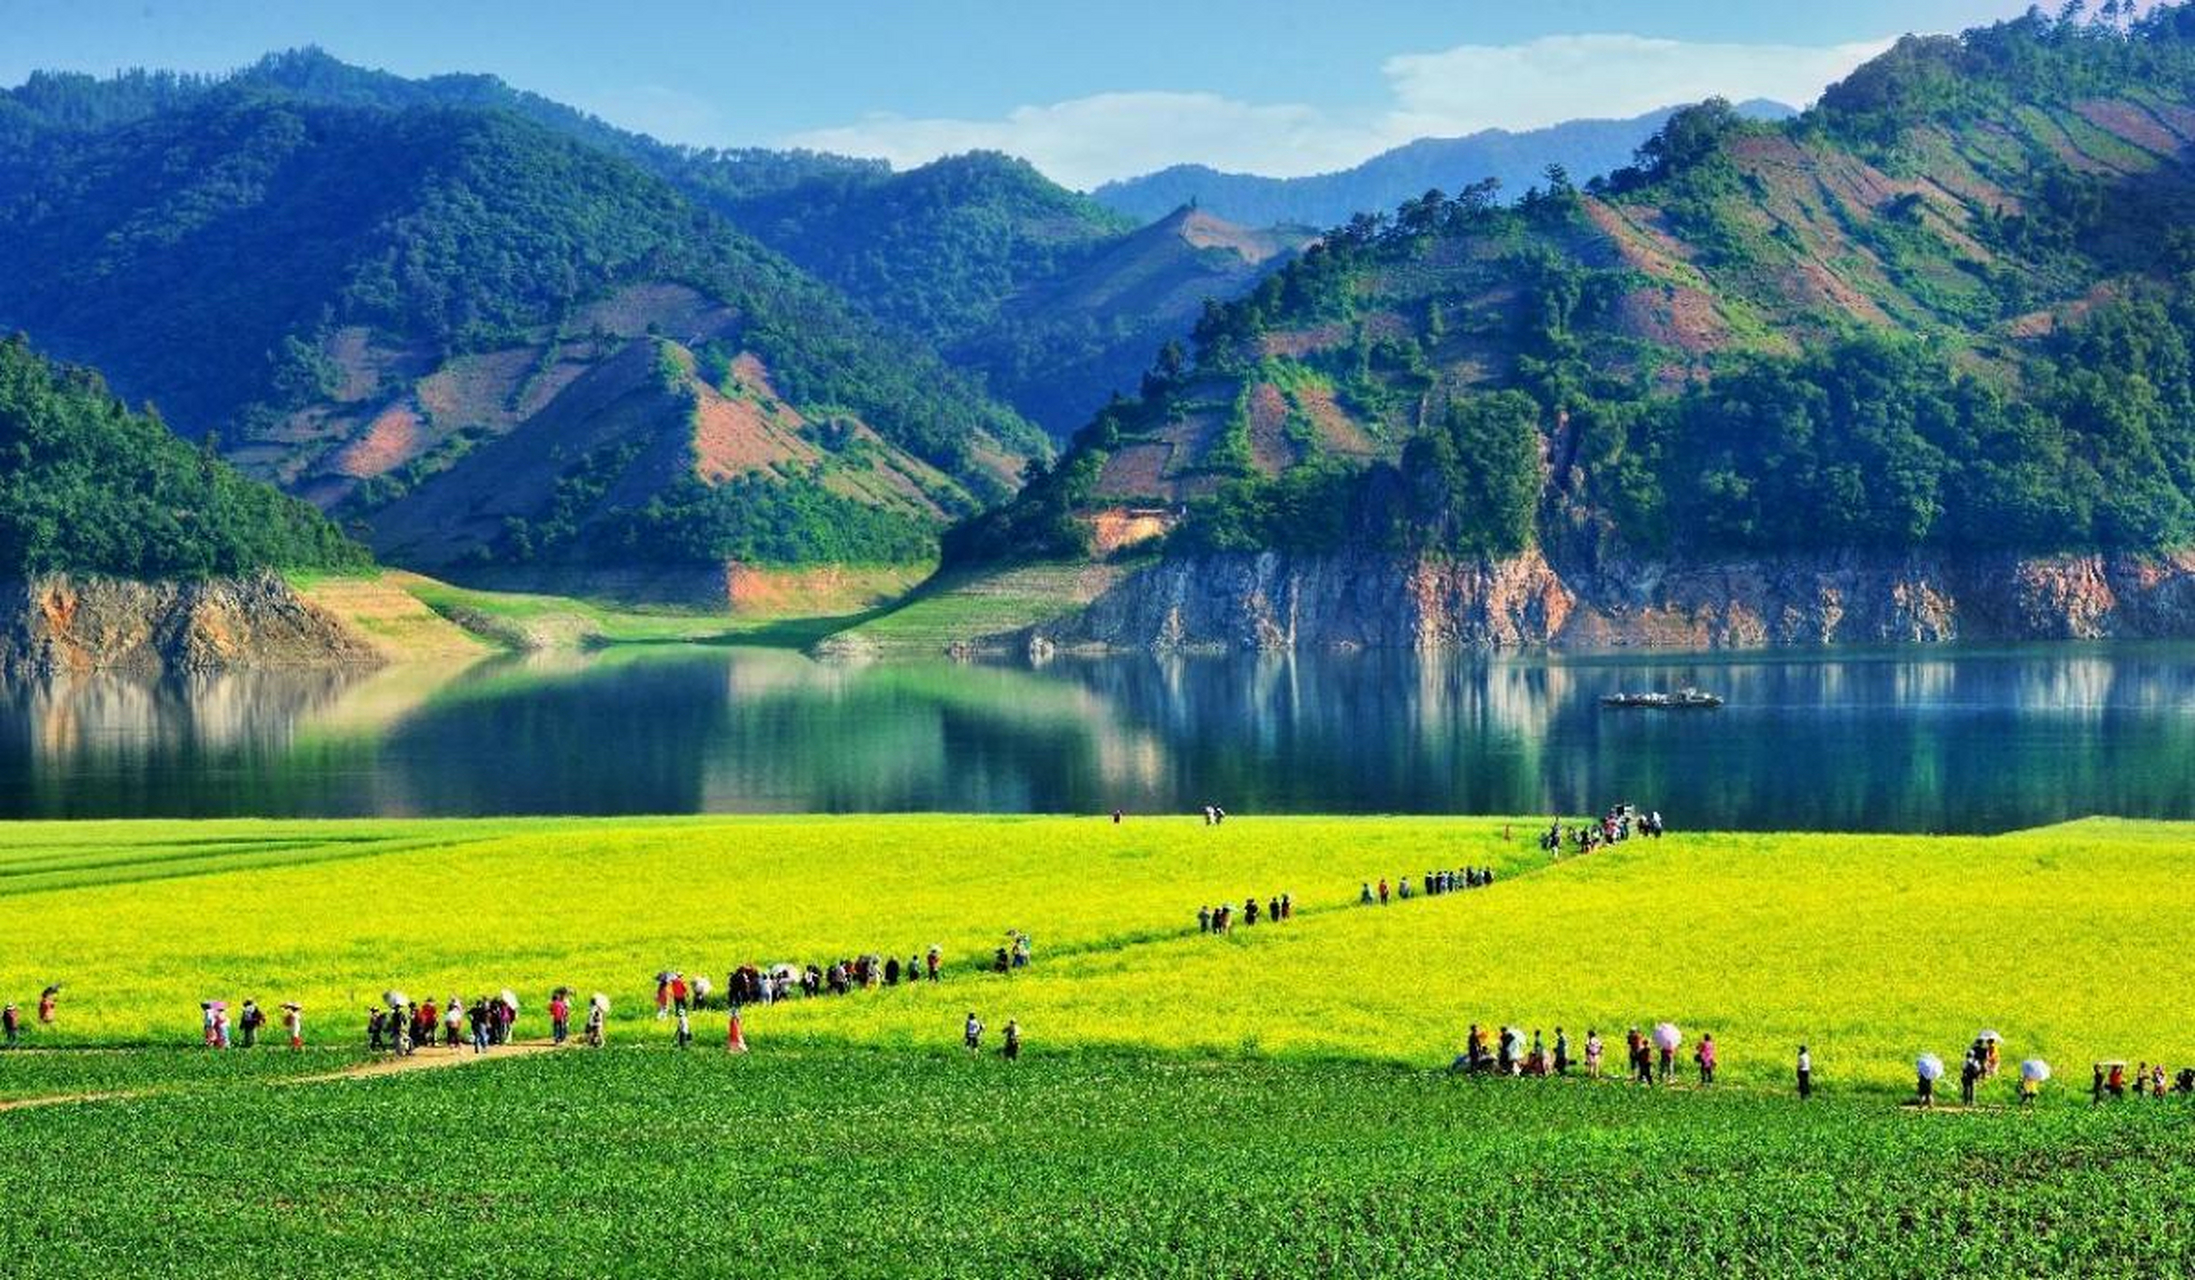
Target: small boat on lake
{"points": [[1685, 699]]}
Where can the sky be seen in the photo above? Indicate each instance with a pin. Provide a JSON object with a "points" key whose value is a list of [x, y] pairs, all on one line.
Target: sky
{"points": [[1088, 91]]}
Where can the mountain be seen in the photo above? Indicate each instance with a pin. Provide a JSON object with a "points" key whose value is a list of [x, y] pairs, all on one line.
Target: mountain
{"points": [[359, 296], [93, 488], [1947, 312], [1517, 160], [1066, 342]]}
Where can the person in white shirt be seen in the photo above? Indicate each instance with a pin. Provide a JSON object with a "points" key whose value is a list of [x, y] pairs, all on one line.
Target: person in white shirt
{"points": [[1806, 1073]]}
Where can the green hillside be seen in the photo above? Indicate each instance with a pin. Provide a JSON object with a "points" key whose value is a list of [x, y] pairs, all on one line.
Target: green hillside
{"points": [[353, 294], [1949, 307], [89, 487]]}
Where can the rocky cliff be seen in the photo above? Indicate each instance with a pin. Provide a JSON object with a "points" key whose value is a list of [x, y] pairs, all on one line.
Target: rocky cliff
{"points": [[1273, 601], [64, 624]]}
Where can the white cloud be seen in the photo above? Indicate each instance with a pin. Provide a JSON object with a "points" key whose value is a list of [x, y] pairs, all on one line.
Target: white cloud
{"points": [[1555, 78], [1085, 141]]}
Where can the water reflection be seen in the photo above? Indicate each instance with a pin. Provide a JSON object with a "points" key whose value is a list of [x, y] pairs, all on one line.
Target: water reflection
{"points": [[1902, 739]]}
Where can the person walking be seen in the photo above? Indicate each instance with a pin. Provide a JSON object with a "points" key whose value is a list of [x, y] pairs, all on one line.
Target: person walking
{"points": [[1593, 1051], [971, 1034], [253, 1019], [1013, 1040], [685, 1028], [453, 1017], [1705, 1056], [11, 1021], [1562, 1052], [596, 1008], [293, 1022], [48, 1002], [560, 1015], [931, 961], [735, 1032], [1970, 1070], [1806, 1074]]}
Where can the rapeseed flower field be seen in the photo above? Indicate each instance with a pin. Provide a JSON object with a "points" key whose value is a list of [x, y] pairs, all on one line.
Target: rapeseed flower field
{"points": [[1871, 949]]}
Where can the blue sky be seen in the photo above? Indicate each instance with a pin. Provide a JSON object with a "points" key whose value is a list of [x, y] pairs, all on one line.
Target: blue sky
{"points": [[1089, 91]]}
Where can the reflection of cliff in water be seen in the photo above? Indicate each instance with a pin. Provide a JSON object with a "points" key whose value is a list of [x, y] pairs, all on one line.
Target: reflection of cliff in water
{"points": [[1898, 739]]}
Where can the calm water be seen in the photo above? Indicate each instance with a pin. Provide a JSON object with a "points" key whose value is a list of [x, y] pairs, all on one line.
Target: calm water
{"points": [[1926, 740]]}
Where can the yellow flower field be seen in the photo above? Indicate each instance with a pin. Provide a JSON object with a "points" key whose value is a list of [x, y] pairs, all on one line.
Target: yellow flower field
{"points": [[1870, 948]]}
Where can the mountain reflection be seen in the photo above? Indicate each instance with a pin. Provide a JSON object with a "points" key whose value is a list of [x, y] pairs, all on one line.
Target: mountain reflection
{"points": [[1938, 739]]}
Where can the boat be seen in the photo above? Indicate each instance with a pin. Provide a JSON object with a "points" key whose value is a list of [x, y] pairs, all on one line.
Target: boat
{"points": [[1685, 699]]}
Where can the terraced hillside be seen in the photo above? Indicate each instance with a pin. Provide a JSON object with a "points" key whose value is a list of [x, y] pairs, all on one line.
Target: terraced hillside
{"points": [[1946, 309]]}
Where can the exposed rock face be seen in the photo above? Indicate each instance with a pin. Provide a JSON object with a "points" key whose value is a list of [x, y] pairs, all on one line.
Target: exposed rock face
{"points": [[64, 624], [1363, 600]]}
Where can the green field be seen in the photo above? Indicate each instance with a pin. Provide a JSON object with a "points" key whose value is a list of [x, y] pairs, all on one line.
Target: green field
{"points": [[1274, 1101]]}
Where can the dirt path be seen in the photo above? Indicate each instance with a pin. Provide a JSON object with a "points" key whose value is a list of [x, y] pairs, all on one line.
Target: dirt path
{"points": [[420, 1060]]}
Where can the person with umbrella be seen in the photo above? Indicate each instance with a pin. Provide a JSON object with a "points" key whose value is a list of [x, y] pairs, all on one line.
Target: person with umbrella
{"points": [[1666, 1039], [293, 1021], [2032, 1074], [597, 1009], [1987, 1042], [1927, 1069]]}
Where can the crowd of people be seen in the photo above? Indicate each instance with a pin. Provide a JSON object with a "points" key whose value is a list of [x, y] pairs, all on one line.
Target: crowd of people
{"points": [[1648, 1057], [1222, 918], [1432, 884], [1620, 823]]}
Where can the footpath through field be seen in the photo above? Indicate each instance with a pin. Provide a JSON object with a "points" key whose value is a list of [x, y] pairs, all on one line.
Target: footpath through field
{"points": [[418, 1060]]}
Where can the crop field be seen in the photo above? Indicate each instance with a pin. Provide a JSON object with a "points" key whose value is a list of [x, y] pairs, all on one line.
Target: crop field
{"points": [[643, 1160], [1272, 1102], [1870, 948]]}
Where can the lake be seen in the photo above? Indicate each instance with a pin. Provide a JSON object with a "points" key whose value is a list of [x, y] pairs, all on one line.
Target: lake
{"points": [[1915, 739]]}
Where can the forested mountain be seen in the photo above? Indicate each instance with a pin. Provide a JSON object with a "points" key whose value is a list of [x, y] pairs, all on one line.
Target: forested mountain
{"points": [[1951, 307], [87, 486], [358, 295], [1585, 148], [950, 256]]}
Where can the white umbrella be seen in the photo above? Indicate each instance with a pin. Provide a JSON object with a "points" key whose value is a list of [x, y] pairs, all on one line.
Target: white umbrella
{"points": [[510, 998], [1929, 1066], [395, 998], [2035, 1069], [1666, 1035], [601, 1002], [1989, 1037]]}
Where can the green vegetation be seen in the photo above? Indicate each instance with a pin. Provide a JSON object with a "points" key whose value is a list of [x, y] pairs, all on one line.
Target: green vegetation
{"points": [[807, 1163], [89, 487]]}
